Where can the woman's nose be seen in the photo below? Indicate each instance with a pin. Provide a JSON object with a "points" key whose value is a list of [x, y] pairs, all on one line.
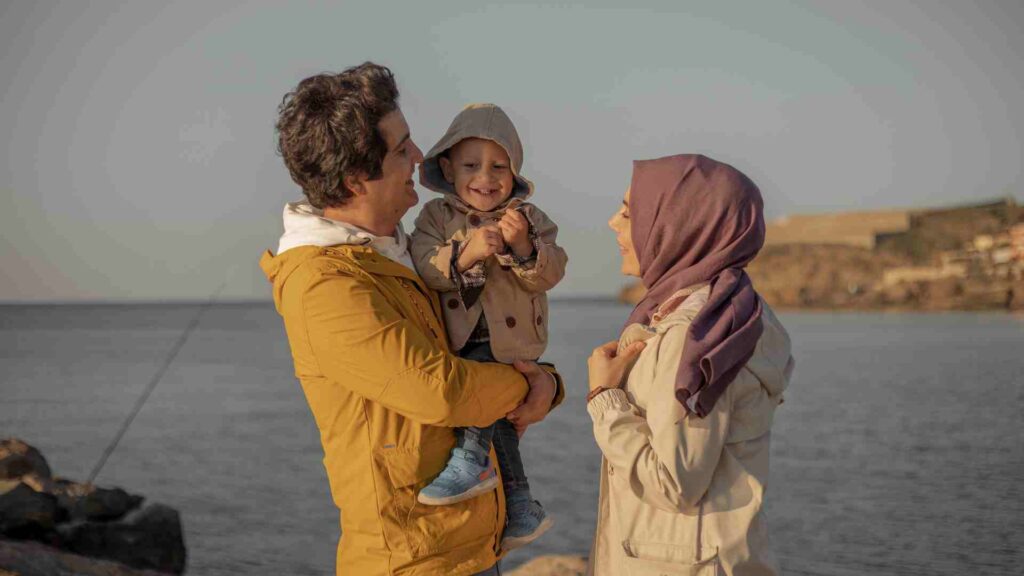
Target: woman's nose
{"points": [[417, 154]]}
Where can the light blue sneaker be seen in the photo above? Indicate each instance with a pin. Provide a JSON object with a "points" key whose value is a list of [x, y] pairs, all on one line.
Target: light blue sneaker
{"points": [[462, 478], [527, 520]]}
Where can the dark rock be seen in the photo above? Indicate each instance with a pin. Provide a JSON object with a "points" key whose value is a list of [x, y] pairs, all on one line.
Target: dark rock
{"points": [[87, 502], [34, 559], [104, 522], [25, 513], [18, 459], [150, 538]]}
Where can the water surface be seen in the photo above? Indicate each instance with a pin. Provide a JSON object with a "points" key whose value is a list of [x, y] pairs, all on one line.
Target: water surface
{"points": [[899, 449]]}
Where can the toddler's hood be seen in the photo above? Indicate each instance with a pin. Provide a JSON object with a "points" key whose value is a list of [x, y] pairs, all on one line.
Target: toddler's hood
{"points": [[486, 121]]}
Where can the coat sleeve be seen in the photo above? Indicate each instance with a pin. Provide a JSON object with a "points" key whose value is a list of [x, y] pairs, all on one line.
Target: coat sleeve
{"points": [[668, 456], [431, 251], [549, 267], [362, 343]]}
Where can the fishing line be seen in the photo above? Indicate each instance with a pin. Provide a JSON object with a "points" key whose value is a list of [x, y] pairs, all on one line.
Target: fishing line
{"points": [[156, 379]]}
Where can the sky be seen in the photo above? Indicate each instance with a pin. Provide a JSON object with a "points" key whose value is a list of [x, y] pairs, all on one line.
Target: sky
{"points": [[138, 149]]}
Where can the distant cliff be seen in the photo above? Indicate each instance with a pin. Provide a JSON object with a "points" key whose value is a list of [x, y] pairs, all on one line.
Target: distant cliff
{"points": [[958, 258]]}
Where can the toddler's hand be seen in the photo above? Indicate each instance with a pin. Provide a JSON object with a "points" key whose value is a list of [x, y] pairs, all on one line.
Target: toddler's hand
{"points": [[515, 230], [483, 243]]}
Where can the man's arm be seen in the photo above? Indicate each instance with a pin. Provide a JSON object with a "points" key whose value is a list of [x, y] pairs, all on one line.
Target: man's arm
{"points": [[361, 342]]}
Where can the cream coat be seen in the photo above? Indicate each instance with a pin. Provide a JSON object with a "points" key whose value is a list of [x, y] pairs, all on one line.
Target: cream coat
{"points": [[681, 495]]}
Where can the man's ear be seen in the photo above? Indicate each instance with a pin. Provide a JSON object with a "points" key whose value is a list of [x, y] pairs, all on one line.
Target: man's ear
{"points": [[446, 169], [354, 184]]}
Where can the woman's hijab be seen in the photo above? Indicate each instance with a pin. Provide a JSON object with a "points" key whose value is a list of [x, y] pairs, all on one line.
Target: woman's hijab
{"points": [[697, 221]]}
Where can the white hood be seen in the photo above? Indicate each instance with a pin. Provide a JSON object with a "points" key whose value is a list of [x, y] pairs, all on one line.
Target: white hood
{"points": [[305, 225]]}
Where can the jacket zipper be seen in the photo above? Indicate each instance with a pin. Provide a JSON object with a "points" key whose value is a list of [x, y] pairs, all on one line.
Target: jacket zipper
{"points": [[415, 302]]}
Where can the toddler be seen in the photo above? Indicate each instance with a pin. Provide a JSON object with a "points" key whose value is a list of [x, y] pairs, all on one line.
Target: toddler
{"points": [[493, 257]]}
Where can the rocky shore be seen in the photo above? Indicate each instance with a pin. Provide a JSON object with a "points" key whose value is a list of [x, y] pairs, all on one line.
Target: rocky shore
{"points": [[54, 526], [959, 258]]}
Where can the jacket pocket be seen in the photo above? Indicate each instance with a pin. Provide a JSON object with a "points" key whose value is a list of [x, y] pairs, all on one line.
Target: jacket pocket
{"points": [[650, 559], [416, 529]]}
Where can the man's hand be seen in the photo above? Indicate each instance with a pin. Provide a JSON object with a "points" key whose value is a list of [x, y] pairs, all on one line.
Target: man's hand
{"points": [[608, 367], [515, 230], [538, 400], [483, 243]]}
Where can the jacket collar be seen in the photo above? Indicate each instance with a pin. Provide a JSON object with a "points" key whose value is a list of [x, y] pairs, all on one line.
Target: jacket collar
{"points": [[305, 225], [372, 262]]}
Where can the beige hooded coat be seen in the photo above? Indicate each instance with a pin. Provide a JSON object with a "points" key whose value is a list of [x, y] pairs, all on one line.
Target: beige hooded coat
{"points": [[513, 299], [682, 495]]}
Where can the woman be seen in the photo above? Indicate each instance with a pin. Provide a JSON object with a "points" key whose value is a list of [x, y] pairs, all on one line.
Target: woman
{"points": [[682, 403]]}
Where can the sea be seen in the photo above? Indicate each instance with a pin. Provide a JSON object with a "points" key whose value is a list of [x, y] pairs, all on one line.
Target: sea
{"points": [[899, 449]]}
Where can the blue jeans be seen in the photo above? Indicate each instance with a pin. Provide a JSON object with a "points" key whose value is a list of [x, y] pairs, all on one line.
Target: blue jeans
{"points": [[502, 434]]}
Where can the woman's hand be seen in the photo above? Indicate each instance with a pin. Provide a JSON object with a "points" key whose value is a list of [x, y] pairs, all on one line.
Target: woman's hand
{"points": [[608, 367], [538, 400]]}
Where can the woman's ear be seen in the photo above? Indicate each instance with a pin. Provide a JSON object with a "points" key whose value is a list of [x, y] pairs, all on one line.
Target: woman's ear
{"points": [[446, 169]]}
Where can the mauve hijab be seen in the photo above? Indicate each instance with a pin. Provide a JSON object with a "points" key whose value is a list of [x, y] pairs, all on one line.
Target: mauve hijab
{"points": [[696, 221]]}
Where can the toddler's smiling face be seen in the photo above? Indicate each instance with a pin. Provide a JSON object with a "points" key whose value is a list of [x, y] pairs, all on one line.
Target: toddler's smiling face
{"points": [[480, 171]]}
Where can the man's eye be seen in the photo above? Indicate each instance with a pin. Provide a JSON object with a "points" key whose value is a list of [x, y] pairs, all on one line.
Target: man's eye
{"points": [[469, 165], [500, 167]]}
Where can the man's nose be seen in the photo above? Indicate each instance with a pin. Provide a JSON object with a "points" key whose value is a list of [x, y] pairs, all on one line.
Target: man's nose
{"points": [[417, 154]]}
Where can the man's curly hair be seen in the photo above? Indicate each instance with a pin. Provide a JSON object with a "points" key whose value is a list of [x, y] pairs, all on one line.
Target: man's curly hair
{"points": [[327, 129]]}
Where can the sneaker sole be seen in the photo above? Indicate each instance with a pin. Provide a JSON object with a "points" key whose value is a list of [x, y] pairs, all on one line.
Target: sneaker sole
{"points": [[485, 486], [513, 542]]}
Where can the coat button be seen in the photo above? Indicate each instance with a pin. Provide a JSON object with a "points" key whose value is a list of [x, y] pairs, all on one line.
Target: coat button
{"points": [[474, 220], [453, 304], [510, 322]]}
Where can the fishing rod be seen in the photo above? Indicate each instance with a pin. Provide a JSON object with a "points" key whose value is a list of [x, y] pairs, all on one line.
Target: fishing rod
{"points": [[157, 376]]}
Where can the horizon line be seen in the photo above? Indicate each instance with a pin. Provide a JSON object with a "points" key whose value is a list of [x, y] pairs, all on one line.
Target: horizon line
{"points": [[232, 301]]}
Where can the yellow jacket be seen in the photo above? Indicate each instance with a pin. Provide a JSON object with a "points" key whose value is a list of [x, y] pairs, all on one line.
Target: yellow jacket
{"points": [[385, 390]]}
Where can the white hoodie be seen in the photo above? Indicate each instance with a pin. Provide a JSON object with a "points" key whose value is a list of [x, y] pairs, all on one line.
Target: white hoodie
{"points": [[305, 225]]}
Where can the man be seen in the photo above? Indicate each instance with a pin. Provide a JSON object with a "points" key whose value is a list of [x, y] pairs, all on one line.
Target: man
{"points": [[367, 339]]}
